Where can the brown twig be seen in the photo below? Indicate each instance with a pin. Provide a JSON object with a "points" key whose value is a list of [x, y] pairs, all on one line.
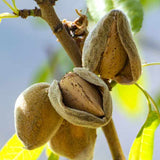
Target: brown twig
{"points": [[49, 15], [68, 43], [24, 13], [113, 141]]}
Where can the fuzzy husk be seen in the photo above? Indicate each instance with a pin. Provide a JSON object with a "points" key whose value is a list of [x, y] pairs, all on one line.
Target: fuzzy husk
{"points": [[78, 117], [36, 121], [96, 42], [74, 142]]}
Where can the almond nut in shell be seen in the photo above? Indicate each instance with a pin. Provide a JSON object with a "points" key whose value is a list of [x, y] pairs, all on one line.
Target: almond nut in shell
{"points": [[82, 98], [74, 142], [109, 50], [36, 120]]}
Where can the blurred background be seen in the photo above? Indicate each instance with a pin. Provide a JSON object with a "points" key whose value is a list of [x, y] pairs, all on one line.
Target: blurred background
{"points": [[30, 53]]}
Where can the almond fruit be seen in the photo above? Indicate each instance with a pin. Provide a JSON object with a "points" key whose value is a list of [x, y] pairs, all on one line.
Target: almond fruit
{"points": [[36, 120], [109, 50]]}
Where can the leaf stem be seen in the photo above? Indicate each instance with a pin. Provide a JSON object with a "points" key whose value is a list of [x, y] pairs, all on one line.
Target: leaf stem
{"points": [[150, 64], [154, 104], [146, 95], [149, 98], [14, 10]]}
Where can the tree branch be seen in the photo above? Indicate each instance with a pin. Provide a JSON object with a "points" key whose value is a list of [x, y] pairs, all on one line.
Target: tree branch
{"points": [[113, 141], [68, 43], [24, 13]]}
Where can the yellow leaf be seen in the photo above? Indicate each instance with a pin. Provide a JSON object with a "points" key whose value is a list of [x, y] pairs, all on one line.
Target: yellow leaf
{"points": [[142, 148], [14, 150], [8, 15], [129, 98]]}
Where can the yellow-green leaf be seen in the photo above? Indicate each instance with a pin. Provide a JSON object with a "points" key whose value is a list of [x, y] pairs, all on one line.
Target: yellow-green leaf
{"points": [[51, 155], [14, 8], [142, 148], [42, 74], [132, 8], [14, 5], [129, 98], [14, 150], [148, 3], [8, 15], [98, 9]]}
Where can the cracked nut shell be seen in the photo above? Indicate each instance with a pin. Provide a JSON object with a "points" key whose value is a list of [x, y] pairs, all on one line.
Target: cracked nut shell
{"points": [[79, 94], [109, 50], [81, 105]]}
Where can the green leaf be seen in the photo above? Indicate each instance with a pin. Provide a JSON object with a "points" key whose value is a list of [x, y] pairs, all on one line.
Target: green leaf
{"points": [[51, 155], [149, 3], [129, 98], [142, 148], [134, 11], [132, 8], [41, 74], [14, 150], [98, 9]]}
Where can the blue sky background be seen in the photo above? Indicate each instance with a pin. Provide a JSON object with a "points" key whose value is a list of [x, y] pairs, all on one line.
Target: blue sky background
{"points": [[23, 47]]}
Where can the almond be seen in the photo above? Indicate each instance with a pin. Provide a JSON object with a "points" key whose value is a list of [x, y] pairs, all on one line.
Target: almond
{"points": [[79, 94], [82, 98], [109, 50], [74, 142], [36, 120]]}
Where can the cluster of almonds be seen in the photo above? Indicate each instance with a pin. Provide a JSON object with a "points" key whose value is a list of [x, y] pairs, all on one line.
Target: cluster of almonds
{"points": [[67, 113]]}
